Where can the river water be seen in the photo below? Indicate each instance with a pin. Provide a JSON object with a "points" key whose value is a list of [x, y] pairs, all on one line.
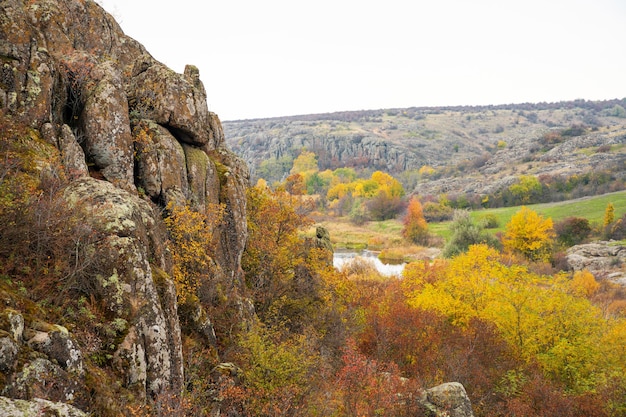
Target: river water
{"points": [[342, 258]]}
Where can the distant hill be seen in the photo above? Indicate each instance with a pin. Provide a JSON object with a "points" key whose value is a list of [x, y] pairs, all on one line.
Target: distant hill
{"points": [[472, 150]]}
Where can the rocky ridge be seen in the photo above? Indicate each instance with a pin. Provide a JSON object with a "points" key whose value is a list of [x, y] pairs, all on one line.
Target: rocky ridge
{"points": [[474, 149]]}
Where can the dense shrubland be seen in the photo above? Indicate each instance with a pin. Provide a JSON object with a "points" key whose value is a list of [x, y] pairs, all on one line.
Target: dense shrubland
{"points": [[524, 338], [523, 341]]}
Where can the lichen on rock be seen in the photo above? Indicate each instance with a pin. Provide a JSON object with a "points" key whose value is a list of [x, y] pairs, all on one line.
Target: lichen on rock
{"points": [[37, 407], [130, 137]]}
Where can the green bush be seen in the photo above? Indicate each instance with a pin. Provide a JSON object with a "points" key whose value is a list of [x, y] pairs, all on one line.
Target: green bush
{"points": [[490, 221], [437, 212], [572, 231], [466, 233]]}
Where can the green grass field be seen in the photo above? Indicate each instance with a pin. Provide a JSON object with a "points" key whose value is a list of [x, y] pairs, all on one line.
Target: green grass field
{"points": [[591, 208], [386, 234]]}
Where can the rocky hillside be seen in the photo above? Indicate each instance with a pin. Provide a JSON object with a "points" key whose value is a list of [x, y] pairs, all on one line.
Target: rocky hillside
{"points": [[128, 140], [471, 149]]}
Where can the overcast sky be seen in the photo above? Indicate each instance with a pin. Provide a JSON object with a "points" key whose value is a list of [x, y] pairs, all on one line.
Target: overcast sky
{"points": [[264, 58]]}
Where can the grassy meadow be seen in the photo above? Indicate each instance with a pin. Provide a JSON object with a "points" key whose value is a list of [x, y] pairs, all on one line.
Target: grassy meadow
{"points": [[386, 235]]}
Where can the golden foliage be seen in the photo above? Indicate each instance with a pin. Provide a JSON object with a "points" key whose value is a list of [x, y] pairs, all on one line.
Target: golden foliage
{"points": [[530, 234], [541, 317], [584, 284], [191, 245], [609, 215]]}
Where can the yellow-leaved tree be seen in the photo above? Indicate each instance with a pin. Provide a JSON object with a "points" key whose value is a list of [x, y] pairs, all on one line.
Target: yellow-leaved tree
{"points": [[544, 319], [530, 234], [609, 215], [191, 246], [305, 163]]}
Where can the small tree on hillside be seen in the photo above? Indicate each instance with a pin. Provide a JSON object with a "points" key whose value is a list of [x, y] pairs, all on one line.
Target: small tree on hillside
{"points": [[305, 163], [530, 234], [358, 213], [572, 231], [415, 226], [607, 223], [609, 215]]}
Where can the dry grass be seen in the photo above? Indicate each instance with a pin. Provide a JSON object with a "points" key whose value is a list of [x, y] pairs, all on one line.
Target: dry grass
{"points": [[384, 236], [371, 235]]}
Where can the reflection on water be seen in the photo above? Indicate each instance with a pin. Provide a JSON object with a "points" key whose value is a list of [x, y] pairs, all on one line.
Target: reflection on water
{"points": [[342, 258]]}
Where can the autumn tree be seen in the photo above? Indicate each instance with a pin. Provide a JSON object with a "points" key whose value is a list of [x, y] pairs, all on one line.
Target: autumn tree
{"points": [[572, 231], [294, 184], [415, 226], [191, 246], [609, 215], [526, 190], [368, 387], [273, 245], [305, 163], [384, 206], [358, 213], [274, 170], [279, 368], [530, 234], [389, 184]]}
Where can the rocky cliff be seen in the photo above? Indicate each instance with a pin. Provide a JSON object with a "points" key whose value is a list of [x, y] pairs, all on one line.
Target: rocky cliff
{"points": [[101, 144], [132, 140]]}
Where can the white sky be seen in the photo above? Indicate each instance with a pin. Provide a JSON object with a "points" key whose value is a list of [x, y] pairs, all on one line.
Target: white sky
{"points": [[264, 58]]}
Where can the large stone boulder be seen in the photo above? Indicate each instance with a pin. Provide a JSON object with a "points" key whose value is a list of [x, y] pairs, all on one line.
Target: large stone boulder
{"points": [[448, 400], [36, 37], [180, 103], [160, 165], [105, 124], [604, 259], [57, 344], [8, 354], [41, 378]]}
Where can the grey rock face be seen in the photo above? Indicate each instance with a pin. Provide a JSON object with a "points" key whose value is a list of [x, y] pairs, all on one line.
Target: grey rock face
{"points": [[603, 259], [133, 136], [41, 378], [37, 407], [8, 354], [106, 125], [448, 400], [58, 345], [151, 352]]}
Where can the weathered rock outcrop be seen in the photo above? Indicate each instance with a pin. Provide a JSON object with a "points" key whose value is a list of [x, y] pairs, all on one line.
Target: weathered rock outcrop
{"points": [[135, 139], [448, 400], [37, 407], [149, 354], [603, 259]]}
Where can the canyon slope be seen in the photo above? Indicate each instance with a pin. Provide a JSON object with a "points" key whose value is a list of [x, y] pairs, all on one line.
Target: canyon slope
{"points": [[470, 149]]}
